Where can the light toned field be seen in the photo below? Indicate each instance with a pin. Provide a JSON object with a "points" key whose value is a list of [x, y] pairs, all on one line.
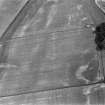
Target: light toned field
{"points": [[50, 48]]}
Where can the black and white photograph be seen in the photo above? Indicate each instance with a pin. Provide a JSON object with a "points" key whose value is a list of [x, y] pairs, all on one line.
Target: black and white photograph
{"points": [[52, 52]]}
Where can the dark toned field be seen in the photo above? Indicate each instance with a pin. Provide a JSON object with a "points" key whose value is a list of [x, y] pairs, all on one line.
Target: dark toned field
{"points": [[47, 46]]}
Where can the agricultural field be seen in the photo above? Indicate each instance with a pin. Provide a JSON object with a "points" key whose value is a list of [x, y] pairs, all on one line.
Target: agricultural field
{"points": [[48, 54]]}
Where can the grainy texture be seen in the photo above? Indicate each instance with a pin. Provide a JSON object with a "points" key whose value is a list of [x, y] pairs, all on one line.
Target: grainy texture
{"points": [[42, 56]]}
